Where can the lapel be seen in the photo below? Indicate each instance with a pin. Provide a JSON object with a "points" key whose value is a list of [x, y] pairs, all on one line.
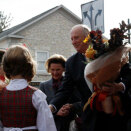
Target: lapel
{"points": [[78, 66], [50, 89]]}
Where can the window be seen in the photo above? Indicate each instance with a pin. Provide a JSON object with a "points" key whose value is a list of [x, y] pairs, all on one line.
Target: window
{"points": [[41, 57]]}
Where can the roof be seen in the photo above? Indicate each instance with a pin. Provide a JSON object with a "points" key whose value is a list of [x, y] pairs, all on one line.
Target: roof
{"points": [[12, 31]]}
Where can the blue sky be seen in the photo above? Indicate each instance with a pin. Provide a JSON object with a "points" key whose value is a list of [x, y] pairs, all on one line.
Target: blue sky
{"points": [[114, 10]]}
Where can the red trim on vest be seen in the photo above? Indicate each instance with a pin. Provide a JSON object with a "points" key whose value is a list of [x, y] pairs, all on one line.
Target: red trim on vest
{"points": [[2, 78]]}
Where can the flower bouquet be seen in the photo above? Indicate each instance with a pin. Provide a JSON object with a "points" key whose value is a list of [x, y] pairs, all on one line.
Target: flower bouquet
{"points": [[106, 58]]}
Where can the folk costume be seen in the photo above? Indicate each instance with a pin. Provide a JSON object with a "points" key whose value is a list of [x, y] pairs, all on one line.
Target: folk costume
{"points": [[23, 107]]}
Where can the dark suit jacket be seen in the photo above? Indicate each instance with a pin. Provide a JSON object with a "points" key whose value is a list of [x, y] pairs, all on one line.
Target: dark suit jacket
{"points": [[46, 87], [126, 78], [74, 78], [62, 123]]}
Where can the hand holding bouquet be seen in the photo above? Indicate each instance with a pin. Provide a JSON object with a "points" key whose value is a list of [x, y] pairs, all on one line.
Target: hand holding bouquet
{"points": [[106, 57]]}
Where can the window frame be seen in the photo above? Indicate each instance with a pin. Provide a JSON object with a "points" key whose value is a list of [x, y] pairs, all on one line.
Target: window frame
{"points": [[36, 55]]}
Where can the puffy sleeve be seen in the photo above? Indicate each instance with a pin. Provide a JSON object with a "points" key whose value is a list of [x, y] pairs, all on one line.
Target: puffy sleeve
{"points": [[45, 120], [87, 81]]}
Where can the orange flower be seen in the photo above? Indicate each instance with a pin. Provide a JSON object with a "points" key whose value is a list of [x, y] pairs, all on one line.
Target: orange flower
{"points": [[90, 52], [105, 40]]}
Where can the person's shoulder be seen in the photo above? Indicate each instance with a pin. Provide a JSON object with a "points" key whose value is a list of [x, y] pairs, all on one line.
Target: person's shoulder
{"points": [[33, 88], [74, 56], [45, 82]]}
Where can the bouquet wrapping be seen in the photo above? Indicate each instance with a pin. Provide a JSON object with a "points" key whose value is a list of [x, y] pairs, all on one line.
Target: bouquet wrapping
{"points": [[105, 68]]}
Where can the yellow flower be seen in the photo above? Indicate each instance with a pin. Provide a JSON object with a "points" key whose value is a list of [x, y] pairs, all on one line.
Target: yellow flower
{"points": [[90, 52], [87, 39], [105, 40]]}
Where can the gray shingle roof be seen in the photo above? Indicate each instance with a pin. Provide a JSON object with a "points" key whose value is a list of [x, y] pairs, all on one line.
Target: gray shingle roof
{"points": [[9, 31]]}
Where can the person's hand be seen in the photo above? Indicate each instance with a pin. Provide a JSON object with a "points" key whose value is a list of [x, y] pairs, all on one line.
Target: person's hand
{"points": [[52, 108], [67, 106], [64, 110], [112, 88]]}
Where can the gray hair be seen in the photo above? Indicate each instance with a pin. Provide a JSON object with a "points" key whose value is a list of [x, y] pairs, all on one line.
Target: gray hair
{"points": [[85, 28]]}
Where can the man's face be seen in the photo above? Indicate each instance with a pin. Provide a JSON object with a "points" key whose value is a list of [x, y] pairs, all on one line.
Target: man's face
{"points": [[56, 71], [77, 38]]}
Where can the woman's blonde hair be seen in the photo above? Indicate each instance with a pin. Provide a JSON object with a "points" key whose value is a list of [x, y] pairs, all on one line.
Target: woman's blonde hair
{"points": [[57, 59], [17, 60]]}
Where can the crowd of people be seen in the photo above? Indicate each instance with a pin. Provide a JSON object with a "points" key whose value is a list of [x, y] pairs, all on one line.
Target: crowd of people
{"points": [[66, 97]]}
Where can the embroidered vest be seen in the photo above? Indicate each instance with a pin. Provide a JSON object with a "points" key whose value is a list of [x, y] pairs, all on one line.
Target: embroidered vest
{"points": [[16, 108]]}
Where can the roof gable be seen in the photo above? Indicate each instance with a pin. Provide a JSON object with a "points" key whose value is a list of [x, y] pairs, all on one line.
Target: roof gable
{"points": [[12, 31]]}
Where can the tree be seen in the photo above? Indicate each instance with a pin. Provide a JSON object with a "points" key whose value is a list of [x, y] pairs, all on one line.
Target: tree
{"points": [[4, 21]]}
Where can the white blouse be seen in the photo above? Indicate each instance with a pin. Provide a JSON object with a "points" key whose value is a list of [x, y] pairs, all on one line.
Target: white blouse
{"points": [[87, 81], [45, 120]]}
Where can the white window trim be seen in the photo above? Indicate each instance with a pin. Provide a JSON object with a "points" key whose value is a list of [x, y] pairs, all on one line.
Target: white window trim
{"points": [[41, 72]]}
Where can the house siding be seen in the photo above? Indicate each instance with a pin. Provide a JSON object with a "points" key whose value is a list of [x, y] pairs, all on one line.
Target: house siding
{"points": [[51, 34]]}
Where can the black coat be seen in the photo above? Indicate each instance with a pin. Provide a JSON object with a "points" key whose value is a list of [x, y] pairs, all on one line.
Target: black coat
{"points": [[126, 75]]}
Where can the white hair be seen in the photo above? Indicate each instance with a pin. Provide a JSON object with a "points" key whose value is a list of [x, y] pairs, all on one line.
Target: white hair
{"points": [[85, 28]]}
